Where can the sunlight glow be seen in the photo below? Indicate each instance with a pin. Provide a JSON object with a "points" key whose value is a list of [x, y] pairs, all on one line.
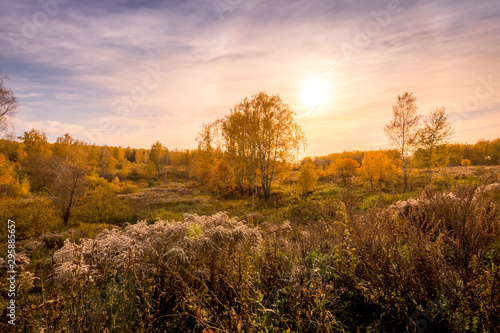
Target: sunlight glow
{"points": [[315, 92]]}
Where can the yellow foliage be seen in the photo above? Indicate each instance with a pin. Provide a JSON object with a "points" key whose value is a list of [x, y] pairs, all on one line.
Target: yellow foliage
{"points": [[123, 172], [222, 179], [100, 203], [345, 169], [465, 162], [378, 169], [308, 178], [33, 216], [151, 169], [9, 182]]}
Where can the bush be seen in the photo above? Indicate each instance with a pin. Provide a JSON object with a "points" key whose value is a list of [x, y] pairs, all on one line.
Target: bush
{"points": [[33, 216], [465, 162], [128, 189], [52, 241], [100, 204]]}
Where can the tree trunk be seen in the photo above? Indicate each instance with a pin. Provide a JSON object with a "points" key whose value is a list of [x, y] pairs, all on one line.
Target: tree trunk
{"points": [[404, 173], [68, 209], [430, 165], [430, 171]]}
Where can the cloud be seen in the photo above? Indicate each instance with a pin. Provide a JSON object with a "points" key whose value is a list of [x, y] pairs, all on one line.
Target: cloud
{"points": [[92, 54]]}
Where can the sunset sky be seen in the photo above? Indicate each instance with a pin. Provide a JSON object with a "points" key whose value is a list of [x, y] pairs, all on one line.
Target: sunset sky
{"points": [[131, 72]]}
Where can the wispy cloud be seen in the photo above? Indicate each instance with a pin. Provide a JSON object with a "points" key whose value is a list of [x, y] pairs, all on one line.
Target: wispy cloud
{"points": [[92, 54]]}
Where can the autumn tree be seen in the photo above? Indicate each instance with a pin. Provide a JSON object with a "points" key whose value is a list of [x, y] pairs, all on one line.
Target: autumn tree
{"points": [[377, 169], [345, 169], [8, 104], [157, 158], [10, 184], [35, 143], [404, 128], [186, 162], [433, 136], [34, 216], [13, 150], [100, 203], [93, 158], [71, 150], [259, 133], [308, 178], [222, 180], [209, 151], [68, 186], [123, 172], [119, 154], [141, 156], [38, 164], [107, 162], [240, 147], [174, 162]]}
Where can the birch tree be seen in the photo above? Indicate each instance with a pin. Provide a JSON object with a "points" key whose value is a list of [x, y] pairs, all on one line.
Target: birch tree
{"points": [[260, 133], [434, 135], [8, 104], [403, 130]]}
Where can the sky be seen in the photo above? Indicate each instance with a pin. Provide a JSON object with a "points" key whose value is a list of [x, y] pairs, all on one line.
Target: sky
{"points": [[132, 72]]}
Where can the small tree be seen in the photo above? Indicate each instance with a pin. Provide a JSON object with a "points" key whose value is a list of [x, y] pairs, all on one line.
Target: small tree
{"points": [[377, 168], [100, 203], [38, 163], [345, 169], [158, 158], [434, 136], [209, 151], [222, 180], [68, 187], [403, 129], [8, 104], [308, 178]]}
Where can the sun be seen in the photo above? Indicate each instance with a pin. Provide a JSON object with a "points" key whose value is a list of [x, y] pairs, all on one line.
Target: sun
{"points": [[315, 92]]}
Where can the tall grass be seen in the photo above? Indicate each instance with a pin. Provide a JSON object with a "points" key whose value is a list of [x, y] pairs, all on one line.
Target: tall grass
{"points": [[424, 264]]}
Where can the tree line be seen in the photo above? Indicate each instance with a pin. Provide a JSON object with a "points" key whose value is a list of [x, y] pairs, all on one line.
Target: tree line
{"points": [[243, 153]]}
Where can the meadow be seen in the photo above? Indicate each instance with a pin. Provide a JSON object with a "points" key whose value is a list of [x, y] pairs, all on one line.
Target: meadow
{"points": [[341, 258]]}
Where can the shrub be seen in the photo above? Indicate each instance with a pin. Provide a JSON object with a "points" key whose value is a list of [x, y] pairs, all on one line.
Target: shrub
{"points": [[128, 189], [465, 162], [101, 205], [345, 169], [33, 216], [308, 179], [52, 241], [466, 224]]}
